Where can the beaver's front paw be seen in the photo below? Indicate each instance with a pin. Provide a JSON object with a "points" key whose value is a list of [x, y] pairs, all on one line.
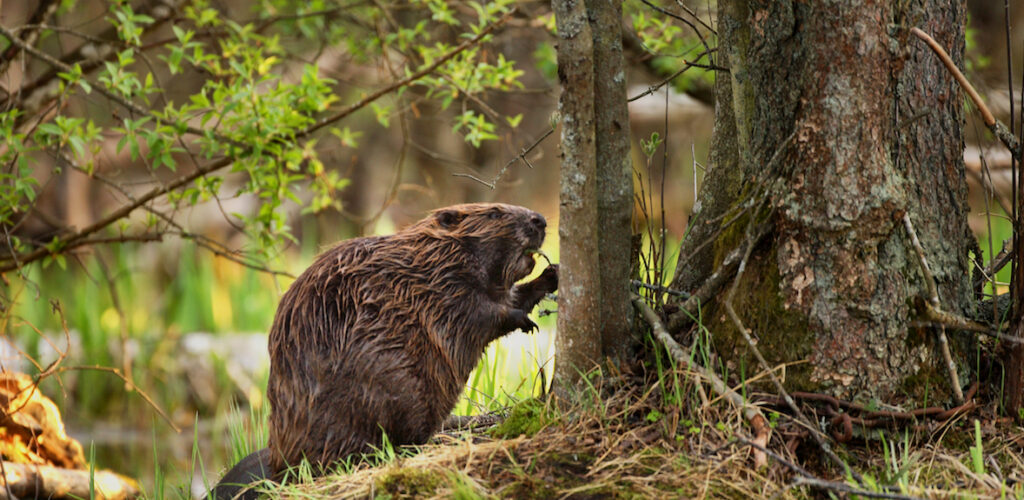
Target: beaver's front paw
{"points": [[519, 319], [548, 280]]}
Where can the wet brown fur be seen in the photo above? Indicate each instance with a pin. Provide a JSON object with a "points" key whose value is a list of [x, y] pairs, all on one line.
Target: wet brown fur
{"points": [[380, 333]]}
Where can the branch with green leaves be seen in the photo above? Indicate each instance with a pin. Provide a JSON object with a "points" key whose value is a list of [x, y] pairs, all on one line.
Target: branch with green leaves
{"points": [[245, 116]]}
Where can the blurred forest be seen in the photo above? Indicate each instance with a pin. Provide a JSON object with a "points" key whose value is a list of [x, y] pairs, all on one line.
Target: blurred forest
{"points": [[176, 295]]}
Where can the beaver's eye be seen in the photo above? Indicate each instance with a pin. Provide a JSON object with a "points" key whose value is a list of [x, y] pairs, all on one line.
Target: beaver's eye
{"points": [[493, 214]]}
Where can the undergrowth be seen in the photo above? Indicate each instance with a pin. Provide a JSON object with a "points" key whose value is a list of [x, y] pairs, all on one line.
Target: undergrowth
{"points": [[656, 435]]}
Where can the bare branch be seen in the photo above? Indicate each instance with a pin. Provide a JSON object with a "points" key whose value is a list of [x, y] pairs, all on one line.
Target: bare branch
{"points": [[933, 298], [994, 125]]}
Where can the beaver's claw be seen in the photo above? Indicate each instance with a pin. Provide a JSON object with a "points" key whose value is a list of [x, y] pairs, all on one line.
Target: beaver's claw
{"points": [[519, 319]]}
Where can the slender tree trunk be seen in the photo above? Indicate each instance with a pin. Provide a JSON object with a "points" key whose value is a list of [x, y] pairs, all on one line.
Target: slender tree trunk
{"points": [[614, 178], [594, 309], [864, 125], [578, 344]]}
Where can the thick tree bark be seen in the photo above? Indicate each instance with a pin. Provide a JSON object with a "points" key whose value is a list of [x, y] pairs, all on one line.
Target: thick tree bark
{"points": [[578, 344], [867, 126], [614, 178]]}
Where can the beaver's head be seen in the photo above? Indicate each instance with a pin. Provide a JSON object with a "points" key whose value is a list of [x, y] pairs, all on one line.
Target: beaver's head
{"points": [[503, 238]]}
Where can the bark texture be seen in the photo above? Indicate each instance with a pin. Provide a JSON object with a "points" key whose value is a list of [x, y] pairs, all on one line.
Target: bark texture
{"points": [[873, 124], [578, 343], [614, 178]]}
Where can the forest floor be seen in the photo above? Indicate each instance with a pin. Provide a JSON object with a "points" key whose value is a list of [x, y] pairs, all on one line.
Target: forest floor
{"points": [[631, 438]]}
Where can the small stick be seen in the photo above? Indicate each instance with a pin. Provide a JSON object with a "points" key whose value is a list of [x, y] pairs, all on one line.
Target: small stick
{"points": [[935, 315], [994, 125], [658, 288], [933, 297]]}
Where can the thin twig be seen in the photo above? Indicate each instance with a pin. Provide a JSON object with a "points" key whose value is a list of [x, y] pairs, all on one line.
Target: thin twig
{"points": [[659, 288], [994, 125], [931, 314], [687, 65], [696, 31], [694, 15], [933, 297], [475, 178], [116, 372], [521, 156]]}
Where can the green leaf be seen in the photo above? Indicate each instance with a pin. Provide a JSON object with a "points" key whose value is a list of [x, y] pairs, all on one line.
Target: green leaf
{"points": [[50, 129], [382, 113]]}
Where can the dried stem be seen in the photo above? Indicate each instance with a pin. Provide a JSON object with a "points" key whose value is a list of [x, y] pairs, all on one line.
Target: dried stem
{"points": [[933, 298]]}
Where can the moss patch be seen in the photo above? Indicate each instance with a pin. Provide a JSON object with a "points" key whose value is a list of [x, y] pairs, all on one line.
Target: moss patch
{"points": [[783, 336], [525, 419], [406, 482]]}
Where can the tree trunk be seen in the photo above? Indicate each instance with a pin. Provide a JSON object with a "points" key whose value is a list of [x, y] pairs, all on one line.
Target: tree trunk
{"points": [[594, 308], [614, 179], [865, 125], [578, 344]]}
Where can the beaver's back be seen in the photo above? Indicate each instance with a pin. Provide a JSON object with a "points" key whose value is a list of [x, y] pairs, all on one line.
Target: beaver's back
{"points": [[354, 351]]}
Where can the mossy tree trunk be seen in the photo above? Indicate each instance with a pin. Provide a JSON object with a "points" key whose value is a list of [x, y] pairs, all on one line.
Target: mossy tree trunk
{"points": [[867, 126], [596, 197]]}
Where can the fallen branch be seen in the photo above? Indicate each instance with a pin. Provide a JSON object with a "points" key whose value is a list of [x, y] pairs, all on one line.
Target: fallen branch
{"points": [[843, 415], [44, 481], [682, 356]]}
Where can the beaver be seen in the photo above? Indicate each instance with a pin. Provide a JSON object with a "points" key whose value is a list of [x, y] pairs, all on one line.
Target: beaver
{"points": [[379, 335]]}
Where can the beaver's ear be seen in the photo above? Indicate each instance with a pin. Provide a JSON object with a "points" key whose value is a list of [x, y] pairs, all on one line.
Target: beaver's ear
{"points": [[448, 218]]}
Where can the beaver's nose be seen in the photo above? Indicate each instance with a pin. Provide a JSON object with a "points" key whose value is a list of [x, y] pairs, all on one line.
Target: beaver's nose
{"points": [[538, 221]]}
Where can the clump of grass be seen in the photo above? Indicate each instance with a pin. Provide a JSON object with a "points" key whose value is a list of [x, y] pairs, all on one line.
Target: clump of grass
{"points": [[250, 434]]}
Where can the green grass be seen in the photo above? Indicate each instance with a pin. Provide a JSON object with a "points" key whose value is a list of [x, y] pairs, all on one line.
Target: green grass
{"points": [[1001, 230]]}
